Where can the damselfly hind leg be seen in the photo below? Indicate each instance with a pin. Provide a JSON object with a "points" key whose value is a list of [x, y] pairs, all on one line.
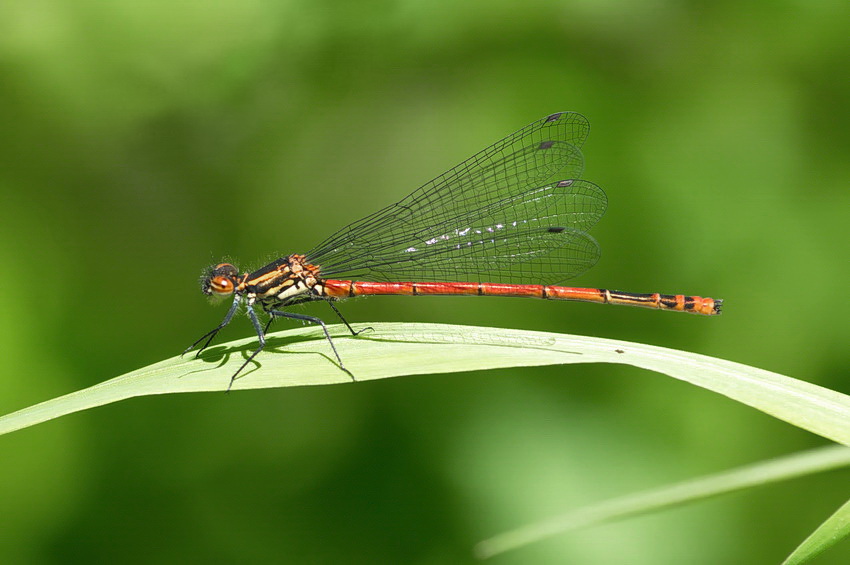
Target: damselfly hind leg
{"points": [[344, 321], [317, 321], [261, 335]]}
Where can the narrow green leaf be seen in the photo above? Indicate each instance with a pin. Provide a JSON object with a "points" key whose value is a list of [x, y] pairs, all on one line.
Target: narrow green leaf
{"points": [[780, 469], [833, 530], [302, 357]]}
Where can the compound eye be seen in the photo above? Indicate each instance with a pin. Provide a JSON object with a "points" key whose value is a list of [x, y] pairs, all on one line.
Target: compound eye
{"points": [[221, 285], [225, 269]]}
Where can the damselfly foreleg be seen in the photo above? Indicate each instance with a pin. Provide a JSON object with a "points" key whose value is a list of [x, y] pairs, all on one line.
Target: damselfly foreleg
{"points": [[212, 333], [262, 339]]}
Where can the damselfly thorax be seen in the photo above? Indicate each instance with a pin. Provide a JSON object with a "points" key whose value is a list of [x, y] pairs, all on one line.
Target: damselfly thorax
{"points": [[278, 283]]}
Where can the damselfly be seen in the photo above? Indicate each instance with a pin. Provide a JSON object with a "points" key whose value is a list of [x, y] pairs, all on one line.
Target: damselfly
{"points": [[497, 217]]}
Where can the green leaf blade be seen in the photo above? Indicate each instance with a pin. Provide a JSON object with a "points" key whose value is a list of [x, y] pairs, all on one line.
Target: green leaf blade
{"points": [[831, 531], [758, 474], [302, 357]]}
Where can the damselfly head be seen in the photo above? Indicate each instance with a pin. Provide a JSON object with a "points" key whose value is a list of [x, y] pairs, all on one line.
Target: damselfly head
{"points": [[220, 280]]}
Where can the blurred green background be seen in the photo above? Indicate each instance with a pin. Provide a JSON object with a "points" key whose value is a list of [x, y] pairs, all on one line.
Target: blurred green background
{"points": [[141, 141]]}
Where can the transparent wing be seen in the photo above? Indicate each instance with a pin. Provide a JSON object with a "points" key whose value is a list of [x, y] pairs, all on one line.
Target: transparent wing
{"points": [[490, 218]]}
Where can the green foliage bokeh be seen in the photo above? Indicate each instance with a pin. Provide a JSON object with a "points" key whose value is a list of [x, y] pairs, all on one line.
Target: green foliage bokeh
{"points": [[141, 141]]}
